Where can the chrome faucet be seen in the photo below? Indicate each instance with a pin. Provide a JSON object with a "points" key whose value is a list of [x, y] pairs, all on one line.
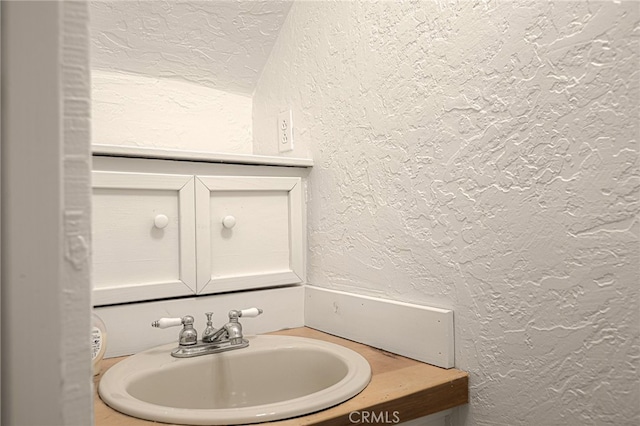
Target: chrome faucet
{"points": [[226, 338]]}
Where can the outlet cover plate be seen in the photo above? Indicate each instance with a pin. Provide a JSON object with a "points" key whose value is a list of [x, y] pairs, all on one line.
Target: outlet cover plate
{"points": [[285, 131]]}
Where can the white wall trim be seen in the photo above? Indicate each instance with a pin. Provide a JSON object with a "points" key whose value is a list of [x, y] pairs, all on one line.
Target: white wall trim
{"points": [[419, 332]]}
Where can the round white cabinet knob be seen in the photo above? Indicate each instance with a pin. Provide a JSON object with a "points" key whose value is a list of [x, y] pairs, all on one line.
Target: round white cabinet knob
{"points": [[161, 221], [228, 222]]}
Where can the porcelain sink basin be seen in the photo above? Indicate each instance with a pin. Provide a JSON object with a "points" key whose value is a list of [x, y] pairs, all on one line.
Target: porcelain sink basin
{"points": [[276, 377]]}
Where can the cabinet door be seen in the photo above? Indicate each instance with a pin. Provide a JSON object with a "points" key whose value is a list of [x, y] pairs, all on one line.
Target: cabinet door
{"points": [[260, 243], [143, 236]]}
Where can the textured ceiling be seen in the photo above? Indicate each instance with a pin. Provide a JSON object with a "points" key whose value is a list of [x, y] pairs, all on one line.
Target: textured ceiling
{"points": [[219, 44]]}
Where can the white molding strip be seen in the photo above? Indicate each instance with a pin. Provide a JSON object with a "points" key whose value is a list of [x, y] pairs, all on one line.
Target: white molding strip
{"points": [[129, 326], [210, 157], [419, 332]]}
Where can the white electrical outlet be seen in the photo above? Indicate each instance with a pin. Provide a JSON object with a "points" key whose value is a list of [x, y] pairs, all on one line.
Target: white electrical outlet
{"points": [[285, 131]]}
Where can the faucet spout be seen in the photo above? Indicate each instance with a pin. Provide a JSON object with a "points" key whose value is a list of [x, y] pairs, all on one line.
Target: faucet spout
{"points": [[219, 335]]}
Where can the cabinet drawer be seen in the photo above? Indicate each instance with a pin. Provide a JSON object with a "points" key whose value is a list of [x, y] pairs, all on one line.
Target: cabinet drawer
{"points": [[143, 236], [262, 242]]}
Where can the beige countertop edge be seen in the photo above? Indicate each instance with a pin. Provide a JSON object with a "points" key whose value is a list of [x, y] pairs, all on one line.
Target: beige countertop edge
{"points": [[400, 387]]}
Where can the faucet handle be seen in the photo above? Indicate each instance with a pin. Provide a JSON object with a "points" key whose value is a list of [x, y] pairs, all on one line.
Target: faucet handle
{"points": [[248, 313], [167, 322], [188, 335]]}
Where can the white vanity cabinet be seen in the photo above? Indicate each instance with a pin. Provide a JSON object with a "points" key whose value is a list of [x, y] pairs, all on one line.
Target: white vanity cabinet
{"points": [[170, 229], [143, 238], [248, 232]]}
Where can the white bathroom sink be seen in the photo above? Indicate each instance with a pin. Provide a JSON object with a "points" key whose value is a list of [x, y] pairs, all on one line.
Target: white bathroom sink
{"points": [[276, 377]]}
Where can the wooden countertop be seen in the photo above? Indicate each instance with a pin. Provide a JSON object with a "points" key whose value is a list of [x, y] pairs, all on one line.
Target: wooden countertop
{"points": [[411, 388]]}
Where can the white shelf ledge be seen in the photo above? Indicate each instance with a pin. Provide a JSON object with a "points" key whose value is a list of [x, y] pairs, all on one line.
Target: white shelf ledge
{"points": [[209, 157]]}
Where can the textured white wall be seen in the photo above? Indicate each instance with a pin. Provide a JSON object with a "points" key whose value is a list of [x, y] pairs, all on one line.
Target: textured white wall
{"points": [[145, 111], [179, 75], [222, 44], [480, 156]]}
